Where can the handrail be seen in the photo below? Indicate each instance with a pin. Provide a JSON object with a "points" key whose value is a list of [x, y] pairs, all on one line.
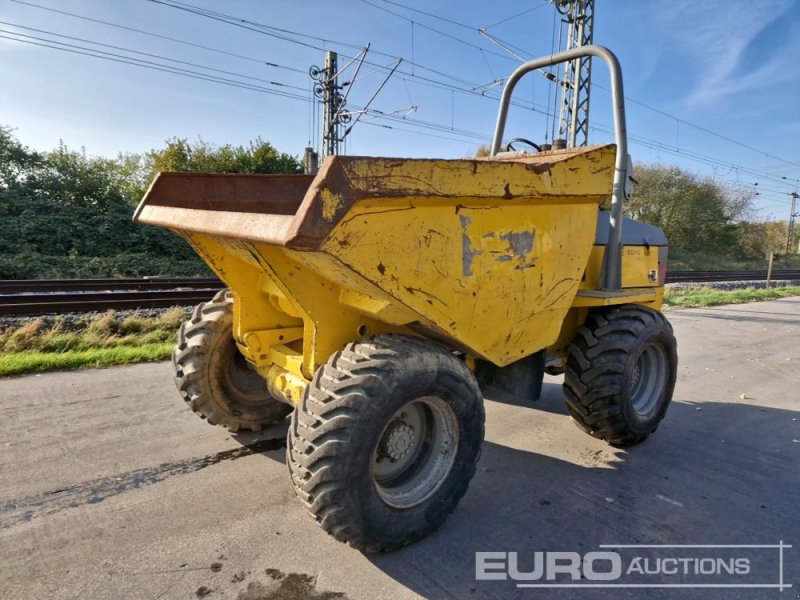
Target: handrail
{"points": [[611, 276]]}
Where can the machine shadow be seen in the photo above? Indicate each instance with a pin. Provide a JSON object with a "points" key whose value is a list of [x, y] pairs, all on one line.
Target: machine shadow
{"points": [[270, 442], [712, 476], [271, 438], [551, 400]]}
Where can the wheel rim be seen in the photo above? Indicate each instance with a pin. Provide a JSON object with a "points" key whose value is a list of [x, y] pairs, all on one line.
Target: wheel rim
{"points": [[241, 381], [415, 453], [648, 379]]}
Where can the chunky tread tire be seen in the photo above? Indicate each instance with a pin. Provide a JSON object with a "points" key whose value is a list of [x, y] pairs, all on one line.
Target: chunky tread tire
{"points": [[201, 359], [600, 365], [336, 429]]}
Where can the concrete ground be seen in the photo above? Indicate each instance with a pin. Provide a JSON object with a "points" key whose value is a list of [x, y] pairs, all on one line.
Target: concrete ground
{"points": [[111, 488]]}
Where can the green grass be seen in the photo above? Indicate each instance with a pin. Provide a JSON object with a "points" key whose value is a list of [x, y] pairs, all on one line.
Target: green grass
{"points": [[96, 331], [19, 363], [701, 297], [37, 345], [110, 339]]}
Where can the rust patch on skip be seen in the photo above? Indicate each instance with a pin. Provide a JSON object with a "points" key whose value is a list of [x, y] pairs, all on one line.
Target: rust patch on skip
{"points": [[538, 168]]}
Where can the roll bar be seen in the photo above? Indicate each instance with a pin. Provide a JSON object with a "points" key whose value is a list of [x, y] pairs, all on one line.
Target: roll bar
{"points": [[611, 276]]}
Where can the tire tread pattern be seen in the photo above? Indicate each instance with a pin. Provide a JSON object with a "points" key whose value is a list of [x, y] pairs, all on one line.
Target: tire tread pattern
{"points": [[594, 373], [190, 360], [331, 408]]}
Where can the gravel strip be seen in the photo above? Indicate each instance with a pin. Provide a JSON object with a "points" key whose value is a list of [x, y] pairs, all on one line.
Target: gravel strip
{"points": [[731, 285], [76, 321]]}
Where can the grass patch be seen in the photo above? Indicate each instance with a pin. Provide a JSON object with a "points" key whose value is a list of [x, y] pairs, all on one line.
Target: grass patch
{"points": [[700, 297], [107, 330], [39, 345], [35, 346], [18, 363]]}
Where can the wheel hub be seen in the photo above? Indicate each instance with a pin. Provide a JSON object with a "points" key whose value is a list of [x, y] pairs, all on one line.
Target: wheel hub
{"points": [[398, 441], [415, 452]]}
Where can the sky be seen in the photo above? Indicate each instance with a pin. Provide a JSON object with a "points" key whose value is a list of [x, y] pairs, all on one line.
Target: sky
{"points": [[713, 86]]}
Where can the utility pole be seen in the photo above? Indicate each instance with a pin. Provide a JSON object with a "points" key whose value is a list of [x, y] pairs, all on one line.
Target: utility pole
{"points": [[573, 126], [334, 113], [329, 90], [792, 215], [330, 101]]}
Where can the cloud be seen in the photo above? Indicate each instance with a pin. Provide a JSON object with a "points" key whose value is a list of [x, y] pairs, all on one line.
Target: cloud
{"points": [[714, 37]]}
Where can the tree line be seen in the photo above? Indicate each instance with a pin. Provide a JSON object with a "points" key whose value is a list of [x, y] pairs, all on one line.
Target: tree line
{"points": [[66, 214], [707, 223]]}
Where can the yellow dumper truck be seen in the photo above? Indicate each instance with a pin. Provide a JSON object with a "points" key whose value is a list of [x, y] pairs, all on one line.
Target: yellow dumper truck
{"points": [[372, 300]]}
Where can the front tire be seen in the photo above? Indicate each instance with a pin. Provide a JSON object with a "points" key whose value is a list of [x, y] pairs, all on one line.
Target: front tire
{"points": [[620, 373], [214, 378], [386, 441]]}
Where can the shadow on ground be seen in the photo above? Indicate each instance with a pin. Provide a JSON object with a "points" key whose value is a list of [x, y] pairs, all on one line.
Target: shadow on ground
{"points": [[713, 474]]}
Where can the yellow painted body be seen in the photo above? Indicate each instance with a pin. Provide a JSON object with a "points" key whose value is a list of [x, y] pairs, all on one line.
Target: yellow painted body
{"points": [[495, 257]]}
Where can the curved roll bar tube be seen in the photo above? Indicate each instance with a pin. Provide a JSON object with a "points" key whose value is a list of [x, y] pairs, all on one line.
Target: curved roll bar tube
{"points": [[611, 276]]}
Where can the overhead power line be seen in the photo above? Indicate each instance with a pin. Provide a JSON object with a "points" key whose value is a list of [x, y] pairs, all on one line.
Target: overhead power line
{"points": [[101, 54], [118, 58], [694, 156], [268, 30], [158, 56], [132, 60], [250, 25], [459, 24], [519, 14], [431, 126], [422, 12], [432, 135], [678, 119], [704, 129], [285, 34], [163, 37], [437, 31], [629, 99], [464, 136]]}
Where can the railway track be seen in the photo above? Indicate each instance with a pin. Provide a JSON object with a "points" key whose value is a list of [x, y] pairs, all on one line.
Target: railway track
{"points": [[711, 276], [52, 296], [49, 296]]}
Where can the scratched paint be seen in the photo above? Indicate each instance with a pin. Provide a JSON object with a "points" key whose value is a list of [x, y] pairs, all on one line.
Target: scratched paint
{"points": [[517, 247], [468, 253], [520, 246]]}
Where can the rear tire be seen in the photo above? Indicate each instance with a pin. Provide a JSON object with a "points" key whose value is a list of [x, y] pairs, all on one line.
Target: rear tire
{"points": [[620, 373], [385, 441], [214, 378]]}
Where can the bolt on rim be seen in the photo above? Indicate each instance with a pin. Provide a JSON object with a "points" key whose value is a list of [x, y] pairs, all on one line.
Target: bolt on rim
{"points": [[416, 452]]}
